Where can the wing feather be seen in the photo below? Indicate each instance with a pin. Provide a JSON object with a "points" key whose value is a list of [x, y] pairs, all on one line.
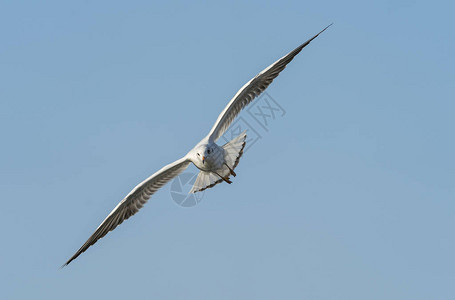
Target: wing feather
{"points": [[251, 90], [133, 202]]}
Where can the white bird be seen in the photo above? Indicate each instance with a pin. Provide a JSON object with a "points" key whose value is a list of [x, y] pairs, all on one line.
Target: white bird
{"points": [[216, 163]]}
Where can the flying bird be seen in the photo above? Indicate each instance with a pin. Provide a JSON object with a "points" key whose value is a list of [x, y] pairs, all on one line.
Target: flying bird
{"points": [[216, 163]]}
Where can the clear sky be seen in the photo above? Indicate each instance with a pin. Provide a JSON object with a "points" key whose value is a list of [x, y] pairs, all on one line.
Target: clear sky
{"points": [[349, 195]]}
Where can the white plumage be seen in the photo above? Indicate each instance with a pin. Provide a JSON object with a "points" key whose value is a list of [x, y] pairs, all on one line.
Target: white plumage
{"points": [[216, 163]]}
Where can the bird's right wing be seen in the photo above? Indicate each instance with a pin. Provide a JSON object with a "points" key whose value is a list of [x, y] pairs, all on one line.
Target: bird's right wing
{"points": [[251, 90], [133, 202]]}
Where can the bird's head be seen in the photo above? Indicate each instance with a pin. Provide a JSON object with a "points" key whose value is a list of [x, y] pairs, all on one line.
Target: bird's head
{"points": [[204, 153]]}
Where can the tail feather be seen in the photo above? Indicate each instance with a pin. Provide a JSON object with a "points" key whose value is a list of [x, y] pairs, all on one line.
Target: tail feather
{"points": [[233, 150], [204, 181]]}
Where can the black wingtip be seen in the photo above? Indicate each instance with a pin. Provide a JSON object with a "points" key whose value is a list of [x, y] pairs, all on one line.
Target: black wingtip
{"points": [[65, 264], [323, 30], [310, 40]]}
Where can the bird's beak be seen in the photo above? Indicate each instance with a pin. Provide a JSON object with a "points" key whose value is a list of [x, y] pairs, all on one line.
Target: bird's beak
{"points": [[203, 159]]}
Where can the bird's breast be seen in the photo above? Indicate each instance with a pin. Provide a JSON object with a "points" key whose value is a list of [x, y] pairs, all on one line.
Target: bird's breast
{"points": [[212, 162]]}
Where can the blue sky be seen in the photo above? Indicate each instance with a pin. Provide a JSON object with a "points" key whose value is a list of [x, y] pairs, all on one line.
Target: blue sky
{"points": [[349, 195]]}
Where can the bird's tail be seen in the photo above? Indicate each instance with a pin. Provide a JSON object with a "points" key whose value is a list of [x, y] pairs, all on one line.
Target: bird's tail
{"points": [[233, 150]]}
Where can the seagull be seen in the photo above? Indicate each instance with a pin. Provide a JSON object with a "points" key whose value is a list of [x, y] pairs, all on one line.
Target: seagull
{"points": [[216, 163]]}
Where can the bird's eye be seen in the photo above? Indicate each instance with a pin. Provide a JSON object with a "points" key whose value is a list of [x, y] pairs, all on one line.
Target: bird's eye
{"points": [[208, 151], [198, 154]]}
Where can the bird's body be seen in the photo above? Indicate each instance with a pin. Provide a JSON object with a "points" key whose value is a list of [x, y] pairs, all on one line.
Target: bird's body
{"points": [[216, 163]]}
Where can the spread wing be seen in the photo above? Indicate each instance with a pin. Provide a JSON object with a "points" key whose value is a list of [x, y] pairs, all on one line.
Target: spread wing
{"points": [[251, 90], [133, 202]]}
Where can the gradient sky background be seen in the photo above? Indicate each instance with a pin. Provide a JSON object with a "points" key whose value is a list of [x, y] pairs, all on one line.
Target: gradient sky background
{"points": [[350, 195]]}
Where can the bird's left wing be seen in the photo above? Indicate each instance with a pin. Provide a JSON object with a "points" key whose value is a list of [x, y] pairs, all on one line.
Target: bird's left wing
{"points": [[134, 201], [251, 90]]}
